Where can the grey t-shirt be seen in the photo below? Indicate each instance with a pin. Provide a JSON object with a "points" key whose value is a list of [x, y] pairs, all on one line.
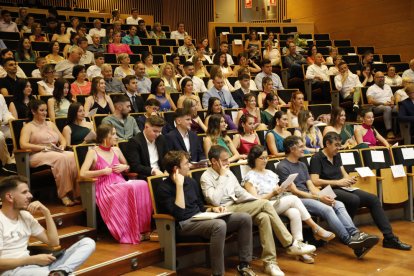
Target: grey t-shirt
{"points": [[285, 168]]}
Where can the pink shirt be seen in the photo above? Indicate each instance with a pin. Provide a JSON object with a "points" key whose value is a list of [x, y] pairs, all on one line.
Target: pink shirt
{"points": [[119, 49]]}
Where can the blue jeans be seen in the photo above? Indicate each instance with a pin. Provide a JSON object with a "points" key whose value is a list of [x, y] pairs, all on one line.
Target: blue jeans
{"points": [[337, 217], [73, 258]]}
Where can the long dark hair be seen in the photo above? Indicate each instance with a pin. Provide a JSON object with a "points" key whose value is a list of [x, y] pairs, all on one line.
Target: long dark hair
{"points": [[269, 98], [216, 59], [243, 120], [255, 152], [213, 128], [94, 86], [210, 105], [20, 49], [154, 85], [73, 112], [58, 93], [18, 96], [335, 112], [278, 115]]}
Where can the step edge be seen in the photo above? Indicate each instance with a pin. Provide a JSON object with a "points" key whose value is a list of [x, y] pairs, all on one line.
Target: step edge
{"points": [[66, 235]]}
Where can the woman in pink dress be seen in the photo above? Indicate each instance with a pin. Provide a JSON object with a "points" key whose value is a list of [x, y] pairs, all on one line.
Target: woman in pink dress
{"points": [[116, 47], [47, 145], [125, 206]]}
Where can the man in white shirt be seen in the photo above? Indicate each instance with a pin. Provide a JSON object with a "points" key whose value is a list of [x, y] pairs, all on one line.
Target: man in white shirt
{"points": [[224, 48], [87, 56], [219, 92], [95, 70], [8, 165], [380, 95], [198, 84], [349, 85], [64, 68], [144, 83], [97, 29], [17, 225], [134, 18], [180, 33], [267, 72], [6, 24], [409, 73], [319, 75], [188, 48]]}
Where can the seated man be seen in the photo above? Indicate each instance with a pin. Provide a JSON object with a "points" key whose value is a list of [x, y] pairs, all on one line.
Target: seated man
{"points": [[326, 169], [146, 150], [289, 40], [182, 138], [198, 84], [8, 165], [96, 46], [87, 56], [125, 125], [294, 61], [112, 85], [6, 24], [267, 72], [380, 95], [180, 33], [238, 94], [131, 38], [134, 18], [17, 225], [7, 53], [40, 62], [131, 85], [181, 197], [224, 48], [221, 188], [144, 83], [318, 73], [188, 48], [409, 73], [142, 29], [64, 68], [217, 91], [8, 83], [96, 69], [349, 85], [97, 29], [331, 210]]}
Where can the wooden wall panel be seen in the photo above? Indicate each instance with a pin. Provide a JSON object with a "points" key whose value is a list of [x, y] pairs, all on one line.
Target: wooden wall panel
{"points": [[388, 25]]}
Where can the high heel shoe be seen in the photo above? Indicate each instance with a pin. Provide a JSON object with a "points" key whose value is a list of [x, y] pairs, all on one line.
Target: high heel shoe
{"points": [[322, 234]]}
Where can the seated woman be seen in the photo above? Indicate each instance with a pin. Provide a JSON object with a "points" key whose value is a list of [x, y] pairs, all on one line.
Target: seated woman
{"points": [[220, 59], [179, 69], [151, 70], [217, 135], [392, 78], [240, 73], [215, 70], [125, 206], [346, 131], [401, 94], [207, 49], [187, 93], [251, 109], [117, 47], [334, 70], [245, 62], [53, 57], [47, 84], [58, 105], [19, 107], [61, 36], [124, 69], [247, 137], [214, 107], [190, 106], [158, 92], [109, 37], [199, 68], [98, 98], [27, 24], [47, 144], [312, 54], [252, 46], [157, 32], [271, 53], [262, 183], [296, 105], [277, 134], [37, 34], [267, 85], [366, 78], [81, 85], [77, 129], [271, 106], [167, 74], [24, 51], [333, 52], [366, 133], [310, 134]]}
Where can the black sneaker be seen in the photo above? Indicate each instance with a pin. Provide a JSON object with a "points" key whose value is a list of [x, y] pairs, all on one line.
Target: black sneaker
{"points": [[362, 239], [395, 243], [361, 252], [245, 271]]}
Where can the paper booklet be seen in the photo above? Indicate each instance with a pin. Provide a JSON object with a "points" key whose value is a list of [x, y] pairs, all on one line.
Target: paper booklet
{"points": [[210, 215], [53, 147], [288, 181], [327, 191], [92, 112]]}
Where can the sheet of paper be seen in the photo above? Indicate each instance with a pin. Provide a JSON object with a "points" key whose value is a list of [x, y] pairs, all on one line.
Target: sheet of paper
{"points": [[244, 169], [276, 164], [92, 112], [327, 191], [398, 171], [309, 158], [347, 158], [234, 115], [407, 153], [364, 172], [209, 215], [260, 33], [395, 145], [238, 42], [352, 54], [288, 181], [224, 33], [377, 156], [350, 189]]}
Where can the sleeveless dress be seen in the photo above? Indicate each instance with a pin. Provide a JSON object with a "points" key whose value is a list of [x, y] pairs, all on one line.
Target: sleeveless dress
{"points": [[278, 140], [246, 146], [245, 112], [78, 134], [125, 206], [221, 142], [369, 137], [164, 103], [101, 110], [63, 164], [62, 111]]}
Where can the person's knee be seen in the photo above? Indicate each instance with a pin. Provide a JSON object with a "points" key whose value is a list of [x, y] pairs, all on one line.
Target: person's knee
{"points": [[88, 242], [219, 227], [292, 214], [246, 219]]}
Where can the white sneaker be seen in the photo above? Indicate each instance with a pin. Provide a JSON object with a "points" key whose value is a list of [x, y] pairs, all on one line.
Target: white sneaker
{"points": [[273, 270], [300, 248]]}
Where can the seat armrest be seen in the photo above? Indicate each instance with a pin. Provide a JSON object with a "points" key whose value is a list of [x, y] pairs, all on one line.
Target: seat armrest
{"points": [[163, 216]]}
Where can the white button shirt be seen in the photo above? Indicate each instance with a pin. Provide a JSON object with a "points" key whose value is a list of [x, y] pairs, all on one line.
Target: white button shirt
{"points": [[317, 71], [409, 74], [381, 95], [153, 154], [349, 84]]}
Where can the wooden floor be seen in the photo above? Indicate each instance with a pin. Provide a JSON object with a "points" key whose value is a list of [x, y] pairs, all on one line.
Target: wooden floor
{"points": [[337, 259]]}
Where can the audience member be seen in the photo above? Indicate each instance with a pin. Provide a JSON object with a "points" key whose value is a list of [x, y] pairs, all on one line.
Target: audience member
{"points": [[98, 98], [367, 60], [326, 169], [7, 53], [277, 134], [251, 109], [131, 38], [73, 42], [224, 48], [246, 137], [187, 93], [198, 84], [215, 107], [221, 188], [142, 29], [18, 225], [144, 83], [252, 46], [406, 109], [197, 125], [188, 49], [246, 62], [267, 72], [81, 86], [97, 29], [308, 132], [27, 25], [54, 57], [312, 52], [116, 16], [217, 91], [294, 62], [151, 70], [334, 70], [132, 214], [40, 62], [134, 18], [74, 22], [24, 52], [87, 56], [61, 36], [200, 52], [8, 164], [206, 46], [96, 69], [6, 24], [366, 133], [167, 74], [348, 85], [215, 70], [146, 150], [220, 60], [401, 94], [64, 68], [238, 94], [112, 85], [366, 77], [37, 34], [152, 107], [333, 52], [380, 96], [290, 40], [272, 53], [116, 47], [124, 69], [409, 72], [318, 73], [157, 32], [8, 82], [22, 15], [131, 85], [296, 105], [58, 104], [158, 92], [96, 46], [270, 107], [180, 33], [245, 71], [19, 107], [392, 78], [77, 130], [267, 85]]}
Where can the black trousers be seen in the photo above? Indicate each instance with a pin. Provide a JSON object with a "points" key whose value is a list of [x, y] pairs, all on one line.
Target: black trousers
{"points": [[357, 199]]}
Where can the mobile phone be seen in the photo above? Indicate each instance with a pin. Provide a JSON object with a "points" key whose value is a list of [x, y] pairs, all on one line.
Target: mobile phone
{"points": [[59, 253]]}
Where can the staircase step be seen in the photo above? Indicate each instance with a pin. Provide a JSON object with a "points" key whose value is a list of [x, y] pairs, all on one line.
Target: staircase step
{"points": [[152, 271], [69, 235], [112, 258], [64, 216]]}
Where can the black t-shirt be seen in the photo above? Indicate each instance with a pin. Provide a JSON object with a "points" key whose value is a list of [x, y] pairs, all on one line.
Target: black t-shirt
{"points": [[9, 84], [319, 164]]}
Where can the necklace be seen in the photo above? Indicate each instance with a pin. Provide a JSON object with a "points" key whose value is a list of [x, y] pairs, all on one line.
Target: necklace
{"points": [[104, 148]]}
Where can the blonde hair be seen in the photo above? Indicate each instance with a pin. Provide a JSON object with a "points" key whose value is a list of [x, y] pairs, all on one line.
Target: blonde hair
{"points": [[310, 132], [121, 57]]}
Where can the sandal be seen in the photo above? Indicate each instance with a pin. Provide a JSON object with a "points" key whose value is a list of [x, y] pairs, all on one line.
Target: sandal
{"points": [[322, 234], [67, 202]]}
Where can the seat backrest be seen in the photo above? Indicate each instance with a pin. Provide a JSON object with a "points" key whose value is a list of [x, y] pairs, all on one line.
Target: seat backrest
{"points": [[306, 159], [272, 164], [362, 49], [379, 67], [364, 95], [346, 50], [154, 182], [342, 42], [80, 152], [167, 42], [262, 136], [318, 109], [239, 171], [391, 58], [196, 174], [16, 128], [273, 29], [148, 41], [60, 122], [351, 159], [378, 158], [285, 94], [81, 99], [321, 37], [323, 43], [403, 155], [169, 117], [97, 120], [290, 29], [351, 59]]}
